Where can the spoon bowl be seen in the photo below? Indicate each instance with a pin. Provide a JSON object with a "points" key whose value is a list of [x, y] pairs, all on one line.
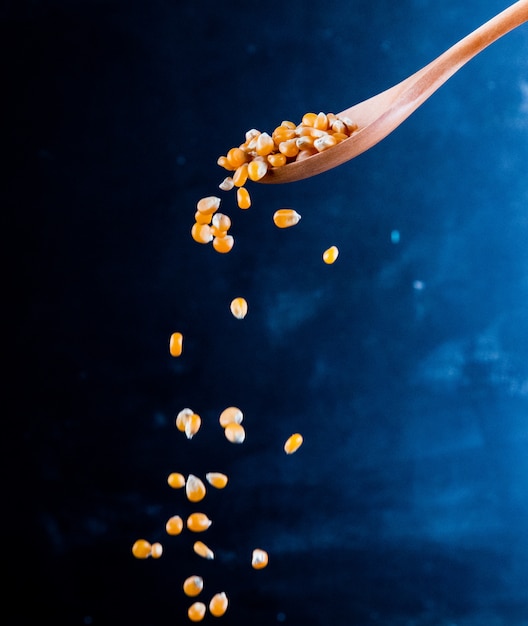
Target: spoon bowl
{"points": [[379, 115]]}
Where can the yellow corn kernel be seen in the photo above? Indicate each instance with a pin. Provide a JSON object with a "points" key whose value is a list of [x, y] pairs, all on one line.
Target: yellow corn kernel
{"points": [[216, 479], [174, 525], [252, 134], [141, 549], [330, 255], [338, 126], [235, 433], [308, 119], [239, 308], [259, 559], [321, 121], [223, 162], [202, 550], [198, 522], [192, 425], [277, 160], [201, 233], [282, 133], [305, 142], [182, 417], [265, 145], [221, 222], [176, 480], [194, 488], [351, 126], [231, 415], [340, 137], [227, 184], [202, 218], [176, 344], [193, 586], [293, 443], [236, 156], [156, 551], [284, 218], [305, 154], [218, 604], [289, 148], [241, 175], [223, 244], [257, 170], [243, 198], [208, 205], [288, 124], [196, 612], [323, 143]]}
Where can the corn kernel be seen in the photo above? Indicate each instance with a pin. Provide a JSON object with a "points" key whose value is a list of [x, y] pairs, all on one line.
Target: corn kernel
{"points": [[156, 551], [231, 415], [330, 255], [259, 559], [305, 154], [305, 142], [277, 160], [196, 612], [208, 205], [265, 144], [241, 175], [257, 170], [216, 479], [321, 121], [182, 417], [323, 143], [236, 156], [176, 480], [288, 124], [223, 162], [223, 244], [202, 218], [218, 604], [227, 184], [221, 222], [284, 218], [243, 198], [193, 586], [192, 425], [198, 522], [282, 133], [194, 488], [202, 550], [141, 549], [293, 443], [235, 433], [176, 344], [174, 525], [201, 233], [289, 148], [308, 119], [239, 308]]}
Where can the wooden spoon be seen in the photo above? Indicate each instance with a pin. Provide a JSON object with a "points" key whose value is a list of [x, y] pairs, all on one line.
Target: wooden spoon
{"points": [[380, 115]]}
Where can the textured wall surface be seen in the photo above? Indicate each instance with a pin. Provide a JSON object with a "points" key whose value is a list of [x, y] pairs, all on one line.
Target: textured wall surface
{"points": [[404, 365]]}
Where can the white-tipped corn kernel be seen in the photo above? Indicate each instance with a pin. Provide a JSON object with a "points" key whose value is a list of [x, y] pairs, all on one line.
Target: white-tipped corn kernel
{"points": [[227, 184], [218, 604], [174, 525], [176, 344], [239, 308], [221, 222], [202, 550], [192, 425], [141, 549], [182, 417], [285, 218], [194, 488], [259, 558], [193, 586], [216, 479], [208, 205], [176, 480], [265, 144], [257, 170], [230, 415], [198, 522], [235, 433], [293, 443], [156, 551], [201, 233], [196, 612], [323, 143], [330, 255], [224, 244]]}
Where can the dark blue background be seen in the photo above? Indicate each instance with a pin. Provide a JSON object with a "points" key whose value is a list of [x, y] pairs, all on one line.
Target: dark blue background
{"points": [[404, 365]]}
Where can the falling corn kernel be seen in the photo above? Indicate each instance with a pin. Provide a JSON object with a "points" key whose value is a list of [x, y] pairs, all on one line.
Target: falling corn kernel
{"points": [[259, 559], [198, 522], [221, 222], [141, 549], [201, 233], [208, 205], [218, 604], [230, 415], [284, 218], [176, 344], [239, 308], [235, 433], [257, 170], [194, 488], [201, 218], [241, 175], [182, 417], [196, 612], [156, 551], [176, 480], [227, 184], [202, 550], [293, 443], [223, 244], [216, 479], [236, 157], [192, 586], [174, 525], [330, 255], [243, 198], [192, 425]]}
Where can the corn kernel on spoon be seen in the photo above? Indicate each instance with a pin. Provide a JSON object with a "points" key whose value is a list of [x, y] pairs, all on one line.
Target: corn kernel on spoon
{"points": [[379, 115]]}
